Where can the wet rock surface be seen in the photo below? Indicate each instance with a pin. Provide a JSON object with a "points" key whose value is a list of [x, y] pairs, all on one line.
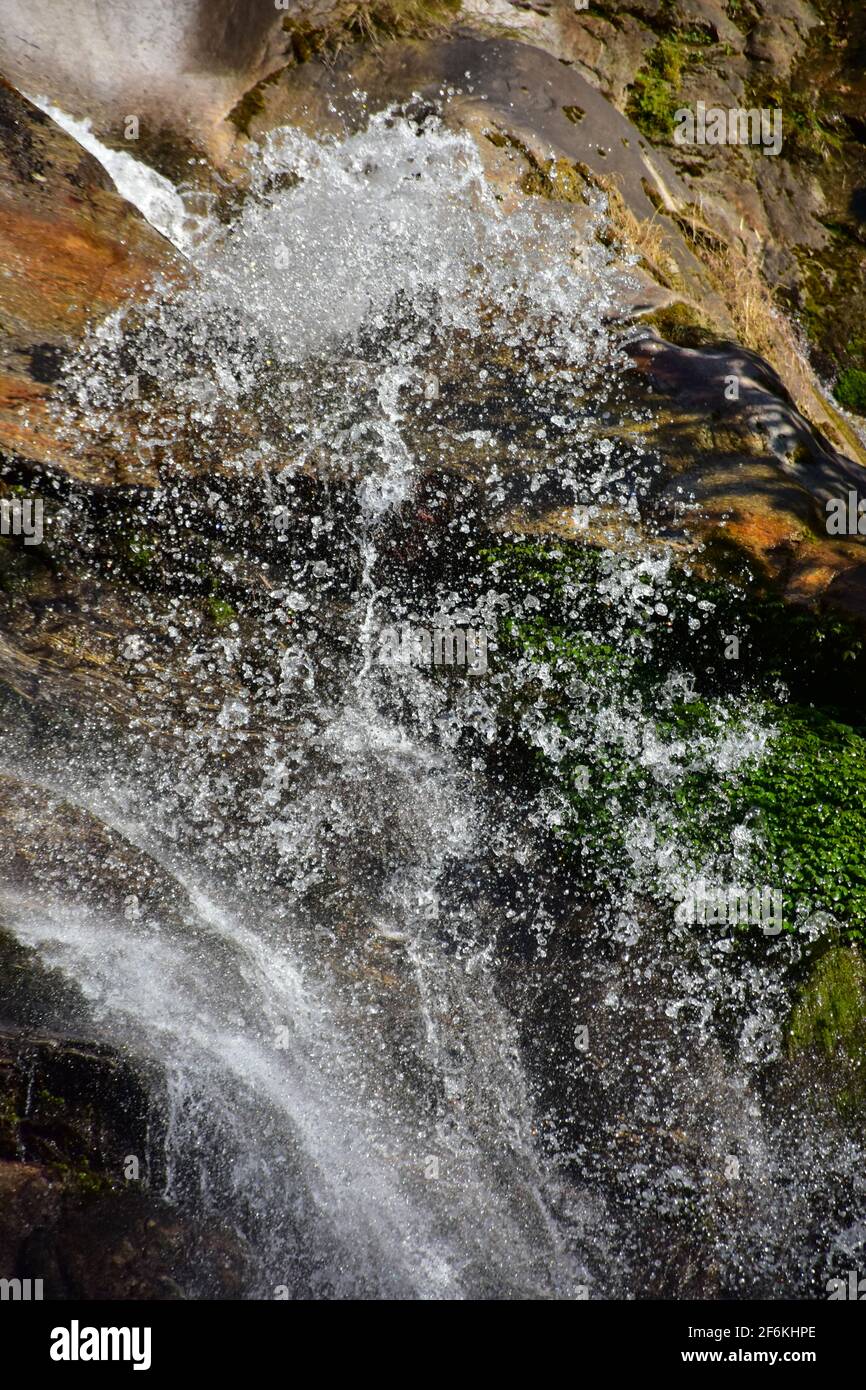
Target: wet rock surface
{"points": [[524, 110], [752, 473], [81, 1161], [561, 139], [196, 641], [81, 1124], [73, 251]]}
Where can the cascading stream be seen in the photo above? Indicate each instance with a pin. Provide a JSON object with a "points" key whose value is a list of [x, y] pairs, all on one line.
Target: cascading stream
{"points": [[355, 1066]]}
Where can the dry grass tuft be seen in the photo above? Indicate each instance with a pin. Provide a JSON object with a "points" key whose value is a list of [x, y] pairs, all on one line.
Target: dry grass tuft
{"points": [[375, 21], [734, 273], [645, 236]]}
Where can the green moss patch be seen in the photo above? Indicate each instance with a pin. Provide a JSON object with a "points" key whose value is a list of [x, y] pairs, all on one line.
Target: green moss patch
{"points": [[682, 324], [654, 97], [850, 389], [807, 801], [830, 1012], [800, 802], [220, 612]]}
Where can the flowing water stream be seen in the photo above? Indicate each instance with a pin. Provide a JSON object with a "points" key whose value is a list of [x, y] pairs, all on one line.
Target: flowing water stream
{"points": [[369, 1004]]}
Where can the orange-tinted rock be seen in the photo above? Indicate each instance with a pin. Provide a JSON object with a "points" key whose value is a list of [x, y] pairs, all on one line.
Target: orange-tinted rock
{"points": [[71, 251]]}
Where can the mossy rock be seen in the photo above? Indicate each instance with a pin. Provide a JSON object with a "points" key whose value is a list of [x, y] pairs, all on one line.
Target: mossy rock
{"points": [[803, 801], [652, 105], [682, 323], [850, 389], [557, 179], [830, 1012], [826, 1032], [220, 612], [655, 95], [809, 799], [10, 1122]]}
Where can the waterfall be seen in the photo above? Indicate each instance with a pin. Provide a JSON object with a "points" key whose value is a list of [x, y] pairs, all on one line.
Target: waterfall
{"points": [[156, 198], [359, 1073]]}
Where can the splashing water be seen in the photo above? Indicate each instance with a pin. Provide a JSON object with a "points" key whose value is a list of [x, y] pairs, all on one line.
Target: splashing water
{"points": [[366, 1009]]}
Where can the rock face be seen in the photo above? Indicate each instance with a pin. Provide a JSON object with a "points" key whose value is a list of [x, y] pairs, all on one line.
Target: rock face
{"points": [[798, 216], [751, 473], [73, 251], [737, 438], [92, 1247], [51, 848], [80, 1159], [81, 1154], [563, 105], [542, 129], [71, 1110]]}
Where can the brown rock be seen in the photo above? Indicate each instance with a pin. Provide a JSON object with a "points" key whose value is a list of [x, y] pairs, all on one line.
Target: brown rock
{"points": [[73, 250]]}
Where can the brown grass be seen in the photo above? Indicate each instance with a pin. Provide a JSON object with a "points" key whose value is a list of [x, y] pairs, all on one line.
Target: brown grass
{"points": [[645, 236], [734, 273], [394, 19], [375, 21], [355, 21]]}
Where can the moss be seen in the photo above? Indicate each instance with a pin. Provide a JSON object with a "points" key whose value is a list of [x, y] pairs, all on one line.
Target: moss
{"points": [[50, 1106], [823, 142], [821, 657], [683, 324], [850, 389], [558, 179], [220, 612], [807, 801], [654, 96], [810, 130], [830, 1012], [141, 550], [652, 105], [252, 103], [695, 35], [81, 1180], [803, 802], [10, 1122], [828, 1021], [831, 302]]}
